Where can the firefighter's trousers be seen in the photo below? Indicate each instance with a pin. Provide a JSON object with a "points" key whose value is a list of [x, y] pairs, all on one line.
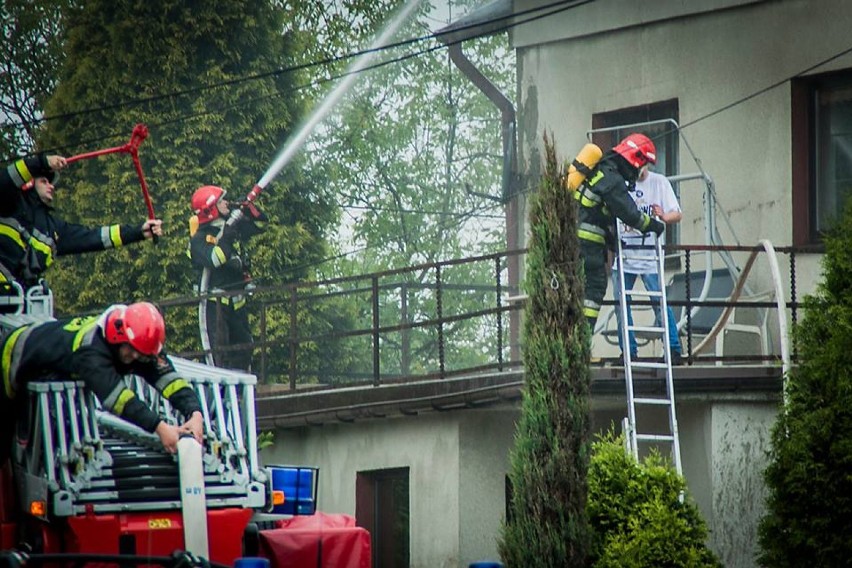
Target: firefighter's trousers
{"points": [[227, 326], [594, 257]]}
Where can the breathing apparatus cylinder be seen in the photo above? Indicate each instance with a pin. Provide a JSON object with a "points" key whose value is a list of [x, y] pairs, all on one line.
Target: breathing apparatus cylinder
{"points": [[582, 166], [193, 225]]}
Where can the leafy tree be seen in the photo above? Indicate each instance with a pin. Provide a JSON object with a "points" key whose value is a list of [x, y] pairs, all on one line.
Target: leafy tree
{"points": [[30, 54], [126, 63], [125, 60], [637, 515], [548, 524], [809, 509], [409, 155]]}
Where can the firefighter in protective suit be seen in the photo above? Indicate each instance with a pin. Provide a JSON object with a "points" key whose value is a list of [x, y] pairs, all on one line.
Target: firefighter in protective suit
{"points": [[217, 246], [603, 197], [18, 174], [100, 351], [13, 179], [33, 235]]}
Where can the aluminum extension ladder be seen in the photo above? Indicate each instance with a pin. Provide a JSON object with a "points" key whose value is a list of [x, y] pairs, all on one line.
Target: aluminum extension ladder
{"points": [[649, 403]]}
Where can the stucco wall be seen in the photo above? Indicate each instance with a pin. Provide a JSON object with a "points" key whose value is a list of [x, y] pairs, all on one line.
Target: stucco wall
{"points": [[427, 444], [458, 463], [485, 438], [706, 61], [740, 439]]}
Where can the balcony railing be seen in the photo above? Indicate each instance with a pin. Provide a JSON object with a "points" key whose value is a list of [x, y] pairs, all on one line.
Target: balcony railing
{"points": [[461, 317]]}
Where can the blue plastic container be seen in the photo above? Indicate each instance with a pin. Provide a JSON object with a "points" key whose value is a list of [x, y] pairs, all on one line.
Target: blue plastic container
{"points": [[485, 564], [299, 485], [251, 562]]}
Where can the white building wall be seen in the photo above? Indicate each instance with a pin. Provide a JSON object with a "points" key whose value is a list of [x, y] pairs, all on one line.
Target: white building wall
{"points": [[739, 445], [606, 56], [485, 438], [427, 444], [459, 460]]}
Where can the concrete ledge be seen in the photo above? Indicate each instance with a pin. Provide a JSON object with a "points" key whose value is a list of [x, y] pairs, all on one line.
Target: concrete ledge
{"points": [[290, 409]]}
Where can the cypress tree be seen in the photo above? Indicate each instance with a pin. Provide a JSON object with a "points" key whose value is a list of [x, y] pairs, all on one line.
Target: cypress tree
{"points": [[809, 509], [548, 524]]}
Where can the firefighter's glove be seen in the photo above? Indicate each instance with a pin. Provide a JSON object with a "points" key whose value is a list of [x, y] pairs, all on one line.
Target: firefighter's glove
{"points": [[657, 227], [234, 263], [251, 211]]}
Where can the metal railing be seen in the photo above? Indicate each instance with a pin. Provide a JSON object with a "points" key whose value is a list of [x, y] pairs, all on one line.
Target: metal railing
{"points": [[460, 317]]}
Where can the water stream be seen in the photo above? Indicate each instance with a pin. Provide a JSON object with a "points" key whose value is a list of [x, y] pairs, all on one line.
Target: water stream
{"points": [[352, 73]]}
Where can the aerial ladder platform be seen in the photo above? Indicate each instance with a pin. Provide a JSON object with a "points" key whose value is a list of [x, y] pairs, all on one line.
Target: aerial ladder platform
{"points": [[88, 481]]}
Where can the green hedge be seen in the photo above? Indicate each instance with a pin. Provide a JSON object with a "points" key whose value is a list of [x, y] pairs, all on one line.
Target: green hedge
{"points": [[809, 477], [637, 517]]}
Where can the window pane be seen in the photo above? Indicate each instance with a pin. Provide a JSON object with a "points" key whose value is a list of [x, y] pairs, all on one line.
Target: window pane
{"points": [[834, 152], [665, 137]]}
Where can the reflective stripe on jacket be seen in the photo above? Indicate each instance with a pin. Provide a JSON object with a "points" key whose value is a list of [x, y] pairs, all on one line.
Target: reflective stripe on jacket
{"points": [[76, 349]]}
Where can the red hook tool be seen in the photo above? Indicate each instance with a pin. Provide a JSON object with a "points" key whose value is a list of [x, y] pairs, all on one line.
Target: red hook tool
{"points": [[140, 132]]}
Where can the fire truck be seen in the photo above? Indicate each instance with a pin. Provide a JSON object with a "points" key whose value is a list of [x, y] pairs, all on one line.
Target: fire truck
{"points": [[82, 482]]}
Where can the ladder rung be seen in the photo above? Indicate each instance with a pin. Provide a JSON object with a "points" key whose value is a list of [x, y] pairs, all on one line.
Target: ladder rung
{"points": [[650, 329], [648, 365], [654, 437], [658, 401], [643, 293]]}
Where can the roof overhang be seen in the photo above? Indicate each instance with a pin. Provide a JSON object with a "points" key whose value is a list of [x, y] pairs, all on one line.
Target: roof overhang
{"points": [[278, 408]]}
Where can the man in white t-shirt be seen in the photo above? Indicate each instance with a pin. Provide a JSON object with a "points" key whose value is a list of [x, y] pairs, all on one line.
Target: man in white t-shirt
{"points": [[653, 195]]}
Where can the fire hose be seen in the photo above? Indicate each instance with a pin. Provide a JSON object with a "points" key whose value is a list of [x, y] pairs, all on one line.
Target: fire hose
{"points": [[292, 146], [140, 132]]}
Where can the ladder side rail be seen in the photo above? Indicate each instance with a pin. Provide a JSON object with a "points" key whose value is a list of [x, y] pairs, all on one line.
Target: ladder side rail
{"points": [[667, 350], [201, 388], [625, 348], [63, 457], [92, 419], [76, 445], [90, 440], [249, 411], [220, 420], [236, 422], [47, 449]]}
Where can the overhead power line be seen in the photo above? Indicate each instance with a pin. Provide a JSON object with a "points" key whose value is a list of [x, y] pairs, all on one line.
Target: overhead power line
{"points": [[557, 8], [565, 4]]}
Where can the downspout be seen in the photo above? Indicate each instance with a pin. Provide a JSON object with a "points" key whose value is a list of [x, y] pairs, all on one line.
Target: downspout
{"points": [[507, 112], [509, 191]]}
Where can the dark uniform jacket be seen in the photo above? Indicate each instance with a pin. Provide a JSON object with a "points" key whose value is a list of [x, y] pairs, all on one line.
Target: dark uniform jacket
{"points": [[33, 236], [76, 349], [13, 178], [222, 255], [604, 196]]}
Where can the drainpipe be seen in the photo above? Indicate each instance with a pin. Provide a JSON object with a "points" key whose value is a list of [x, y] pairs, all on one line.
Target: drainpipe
{"points": [[509, 188]]}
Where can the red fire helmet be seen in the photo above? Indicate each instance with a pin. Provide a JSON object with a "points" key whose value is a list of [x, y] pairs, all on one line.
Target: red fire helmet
{"points": [[637, 149], [139, 324], [204, 202]]}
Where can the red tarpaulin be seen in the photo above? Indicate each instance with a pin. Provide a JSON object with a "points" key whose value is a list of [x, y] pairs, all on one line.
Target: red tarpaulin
{"points": [[317, 541]]}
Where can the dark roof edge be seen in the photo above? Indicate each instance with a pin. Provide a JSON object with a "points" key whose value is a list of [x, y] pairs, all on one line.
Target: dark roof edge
{"points": [[489, 19]]}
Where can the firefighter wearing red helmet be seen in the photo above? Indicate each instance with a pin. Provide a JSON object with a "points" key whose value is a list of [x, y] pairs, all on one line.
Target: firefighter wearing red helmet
{"points": [[219, 247], [100, 351], [602, 198]]}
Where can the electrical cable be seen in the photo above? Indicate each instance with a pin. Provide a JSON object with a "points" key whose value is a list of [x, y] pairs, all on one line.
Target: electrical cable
{"points": [[219, 110], [302, 66]]}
